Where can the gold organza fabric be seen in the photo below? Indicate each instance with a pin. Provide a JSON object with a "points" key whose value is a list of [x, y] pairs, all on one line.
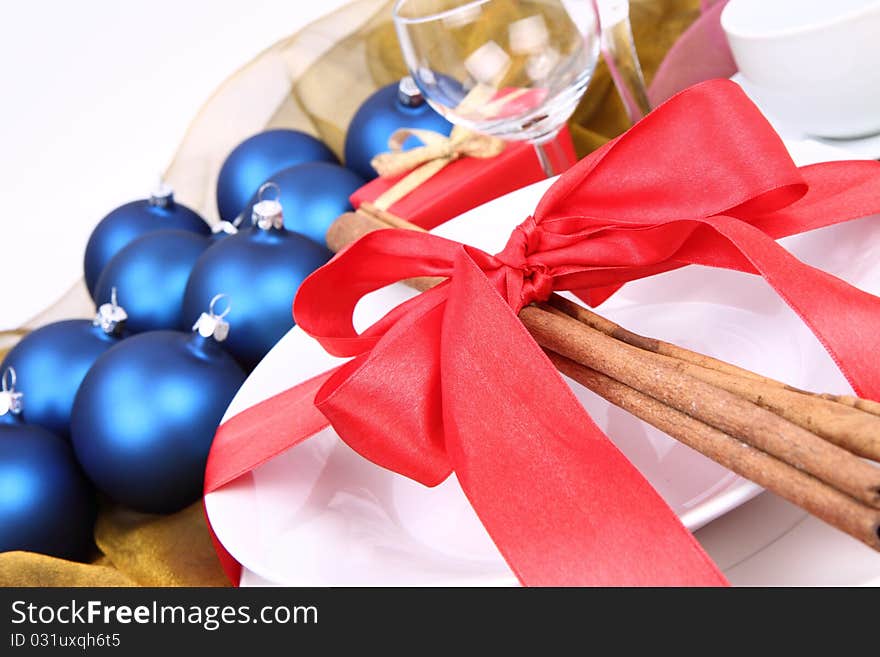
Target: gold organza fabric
{"points": [[313, 81]]}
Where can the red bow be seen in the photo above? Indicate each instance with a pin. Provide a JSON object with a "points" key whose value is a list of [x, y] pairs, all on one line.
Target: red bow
{"points": [[452, 381]]}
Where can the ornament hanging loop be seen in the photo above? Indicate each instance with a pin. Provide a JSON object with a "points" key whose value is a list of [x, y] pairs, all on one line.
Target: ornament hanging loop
{"points": [[267, 213], [261, 193], [213, 304], [212, 325], [10, 400], [9, 379]]}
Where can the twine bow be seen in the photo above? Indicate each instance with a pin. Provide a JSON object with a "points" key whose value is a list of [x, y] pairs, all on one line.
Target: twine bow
{"points": [[425, 161]]}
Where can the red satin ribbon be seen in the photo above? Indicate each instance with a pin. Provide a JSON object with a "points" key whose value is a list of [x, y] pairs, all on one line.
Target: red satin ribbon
{"points": [[452, 381]]}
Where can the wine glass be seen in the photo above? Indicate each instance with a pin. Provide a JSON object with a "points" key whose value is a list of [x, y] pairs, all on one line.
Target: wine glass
{"points": [[514, 69]]}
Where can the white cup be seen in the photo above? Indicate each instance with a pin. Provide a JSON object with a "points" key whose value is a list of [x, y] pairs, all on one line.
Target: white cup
{"points": [[814, 64]]}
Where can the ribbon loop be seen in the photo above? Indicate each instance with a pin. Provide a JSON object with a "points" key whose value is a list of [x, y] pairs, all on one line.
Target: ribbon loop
{"points": [[460, 143], [708, 151]]}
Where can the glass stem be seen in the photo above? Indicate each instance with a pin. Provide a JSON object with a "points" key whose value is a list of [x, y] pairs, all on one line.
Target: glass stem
{"points": [[553, 158], [619, 51]]}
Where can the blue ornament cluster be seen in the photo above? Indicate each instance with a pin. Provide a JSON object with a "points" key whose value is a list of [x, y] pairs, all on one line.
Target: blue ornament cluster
{"points": [[127, 404]]}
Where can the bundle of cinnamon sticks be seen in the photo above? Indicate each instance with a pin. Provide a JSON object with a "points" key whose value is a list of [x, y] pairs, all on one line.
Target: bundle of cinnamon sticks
{"points": [[815, 450]]}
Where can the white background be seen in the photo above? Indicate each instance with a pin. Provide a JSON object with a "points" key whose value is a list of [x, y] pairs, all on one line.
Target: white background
{"points": [[96, 96]]}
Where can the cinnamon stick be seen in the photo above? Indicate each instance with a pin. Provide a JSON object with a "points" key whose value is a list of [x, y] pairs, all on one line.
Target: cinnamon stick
{"points": [[350, 227], [812, 495], [668, 349], [724, 410], [845, 425]]}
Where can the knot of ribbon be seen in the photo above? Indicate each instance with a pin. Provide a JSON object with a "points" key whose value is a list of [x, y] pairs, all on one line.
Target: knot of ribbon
{"points": [[427, 160], [450, 381], [537, 279]]}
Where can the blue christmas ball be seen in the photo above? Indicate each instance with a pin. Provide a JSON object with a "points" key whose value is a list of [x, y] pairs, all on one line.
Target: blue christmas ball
{"points": [[151, 274], [132, 220], [314, 195], [395, 106], [257, 158], [260, 268], [52, 361], [145, 416], [46, 505]]}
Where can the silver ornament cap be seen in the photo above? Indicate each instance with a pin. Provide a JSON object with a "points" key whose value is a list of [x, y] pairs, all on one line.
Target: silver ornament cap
{"points": [[162, 195], [111, 316], [10, 400], [212, 325], [267, 213], [224, 227], [408, 93]]}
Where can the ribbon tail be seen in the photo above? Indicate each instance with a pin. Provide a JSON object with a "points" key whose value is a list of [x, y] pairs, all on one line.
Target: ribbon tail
{"points": [[386, 404], [257, 435], [263, 431], [231, 567], [562, 504], [843, 317]]}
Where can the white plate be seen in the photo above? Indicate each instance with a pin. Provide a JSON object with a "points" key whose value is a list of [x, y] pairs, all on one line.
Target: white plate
{"points": [[321, 515], [860, 147], [769, 542]]}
